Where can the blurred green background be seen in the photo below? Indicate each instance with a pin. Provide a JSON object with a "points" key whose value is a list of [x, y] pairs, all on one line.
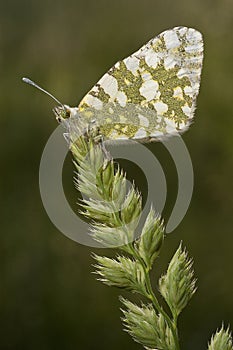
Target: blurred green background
{"points": [[48, 297]]}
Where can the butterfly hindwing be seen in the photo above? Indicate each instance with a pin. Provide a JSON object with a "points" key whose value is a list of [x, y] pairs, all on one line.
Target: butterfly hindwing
{"points": [[152, 93]]}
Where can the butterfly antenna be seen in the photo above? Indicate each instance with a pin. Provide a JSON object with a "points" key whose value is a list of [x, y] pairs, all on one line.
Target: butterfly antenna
{"points": [[30, 82]]}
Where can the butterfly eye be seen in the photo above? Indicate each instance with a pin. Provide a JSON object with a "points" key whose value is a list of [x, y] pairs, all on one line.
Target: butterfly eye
{"points": [[62, 112], [67, 114]]}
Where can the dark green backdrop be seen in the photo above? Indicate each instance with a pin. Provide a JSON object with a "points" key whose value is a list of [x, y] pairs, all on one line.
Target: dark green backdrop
{"points": [[48, 297]]}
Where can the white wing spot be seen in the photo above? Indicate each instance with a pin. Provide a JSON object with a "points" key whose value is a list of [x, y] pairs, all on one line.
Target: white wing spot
{"points": [[170, 125], [95, 88], [140, 134], [93, 101], [109, 84], [192, 48], [146, 76], [132, 64], [188, 91], [182, 73], [161, 107], [156, 133], [178, 93], [193, 35], [169, 62], [121, 98], [143, 120], [151, 58], [149, 89], [171, 39], [182, 31], [187, 111], [182, 125]]}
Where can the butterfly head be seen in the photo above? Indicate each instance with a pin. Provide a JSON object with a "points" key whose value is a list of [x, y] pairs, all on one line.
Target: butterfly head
{"points": [[62, 112]]}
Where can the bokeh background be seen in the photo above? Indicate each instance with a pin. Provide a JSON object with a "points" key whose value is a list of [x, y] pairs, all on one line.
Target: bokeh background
{"points": [[48, 297]]}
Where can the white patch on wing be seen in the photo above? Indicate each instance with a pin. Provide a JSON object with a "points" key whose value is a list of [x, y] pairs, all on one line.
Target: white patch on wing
{"points": [[95, 88], [187, 111], [195, 87], [143, 120], [93, 101], [193, 35], [140, 134], [151, 58], [161, 107], [169, 62], [156, 133], [146, 76], [192, 48], [183, 72], [178, 93], [121, 98], [109, 84], [182, 30], [188, 91], [171, 39], [149, 89], [132, 64], [182, 125], [170, 125]]}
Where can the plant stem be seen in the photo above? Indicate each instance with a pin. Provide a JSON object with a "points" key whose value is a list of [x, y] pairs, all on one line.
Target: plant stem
{"points": [[131, 249], [152, 297]]}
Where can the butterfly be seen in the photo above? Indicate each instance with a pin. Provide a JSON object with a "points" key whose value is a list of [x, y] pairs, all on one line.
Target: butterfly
{"points": [[145, 97]]}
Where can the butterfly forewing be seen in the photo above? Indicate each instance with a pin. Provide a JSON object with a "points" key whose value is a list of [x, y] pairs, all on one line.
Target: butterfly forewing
{"points": [[150, 94]]}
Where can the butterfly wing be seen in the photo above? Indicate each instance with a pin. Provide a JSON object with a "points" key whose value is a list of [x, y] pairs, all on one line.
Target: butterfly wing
{"points": [[150, 94]]}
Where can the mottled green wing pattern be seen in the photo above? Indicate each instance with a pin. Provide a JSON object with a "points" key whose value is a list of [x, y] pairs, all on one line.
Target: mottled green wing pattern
{"points": [[150, 94]]}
